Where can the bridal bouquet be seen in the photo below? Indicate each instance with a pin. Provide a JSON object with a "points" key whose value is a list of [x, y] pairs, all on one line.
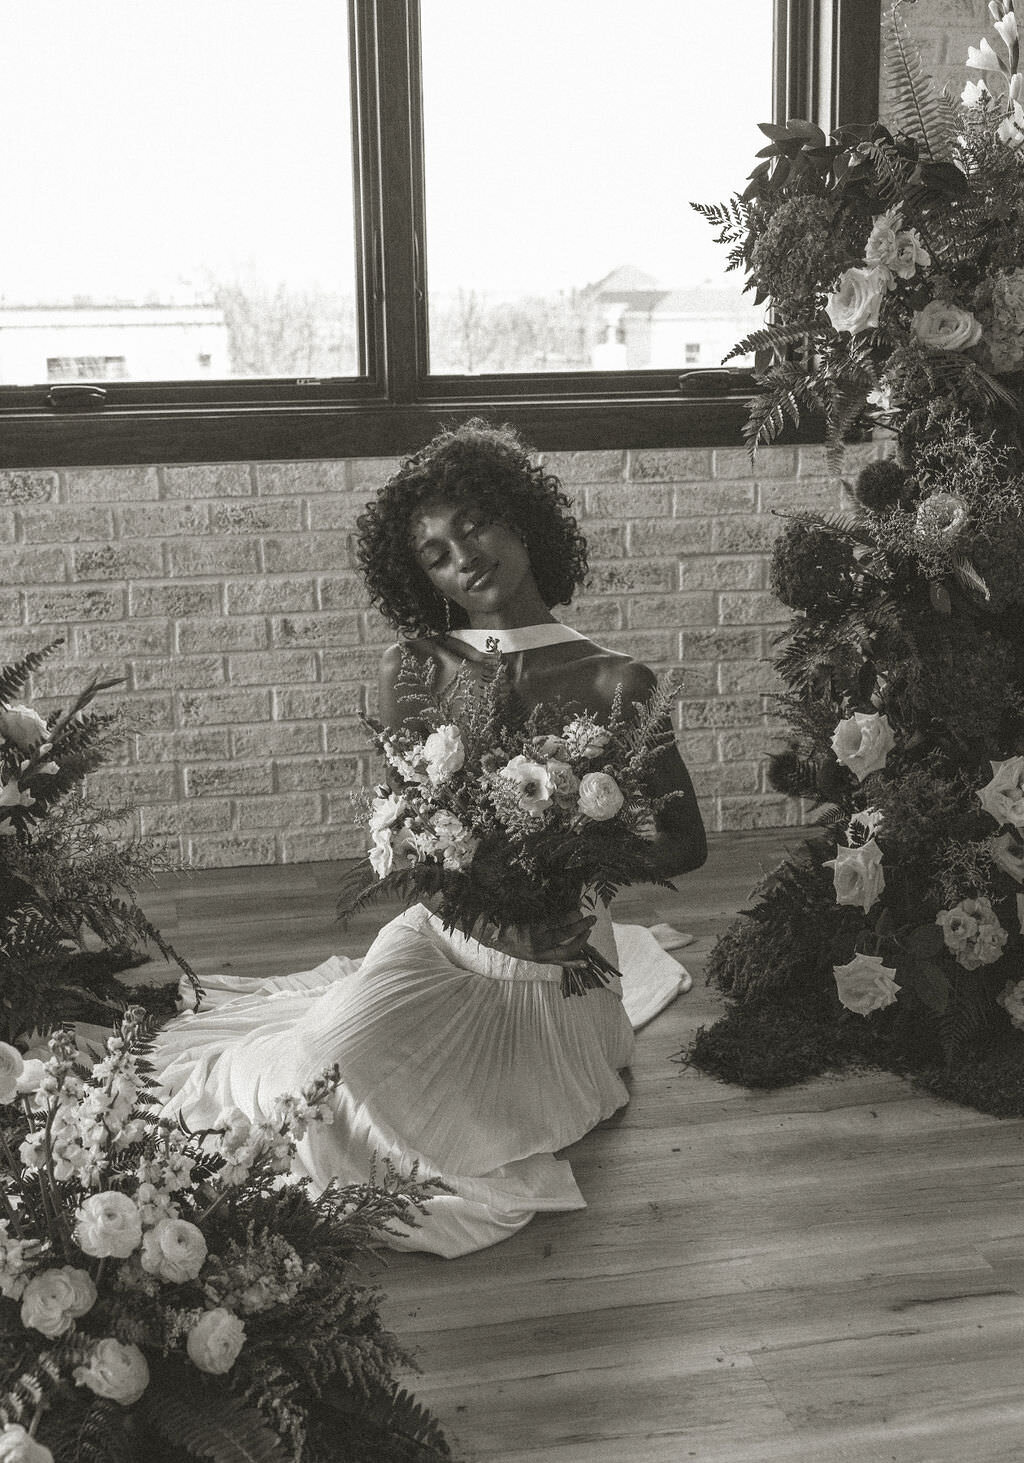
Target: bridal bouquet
{"points": [[68, 912], [504, 819], [173, 1295], [891, 254]]}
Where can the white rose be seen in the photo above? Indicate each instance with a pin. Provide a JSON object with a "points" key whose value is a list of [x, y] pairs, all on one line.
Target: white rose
{"points": [[857, 874], [54, 1299], [1008, 855], [23, 727], [173, 1250], [443, 753], [600, 796], [863, 742], [12, 1065], [865, 984], [533, 781], [16, 1446], [1003, 795], [109, 1223], [215, 1340], [854, 305], [945, 327], [33, 1075], [114, 1370]]}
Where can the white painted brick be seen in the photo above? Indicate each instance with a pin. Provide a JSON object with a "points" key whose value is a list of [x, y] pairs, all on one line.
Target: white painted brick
{"points": [[112, 484], [208, 480]]}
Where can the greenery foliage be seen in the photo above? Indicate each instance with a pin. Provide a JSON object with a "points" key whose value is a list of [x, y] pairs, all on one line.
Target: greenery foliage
{"points": [[896, 936], [171, 1295], [890, 256], [69, 916]]}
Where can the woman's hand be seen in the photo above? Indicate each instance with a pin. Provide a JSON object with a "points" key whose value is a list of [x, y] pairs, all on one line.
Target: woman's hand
{"points": [[560, 942]]}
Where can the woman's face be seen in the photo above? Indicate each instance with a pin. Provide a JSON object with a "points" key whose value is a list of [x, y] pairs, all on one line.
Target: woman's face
{"points": [[475, 562]]}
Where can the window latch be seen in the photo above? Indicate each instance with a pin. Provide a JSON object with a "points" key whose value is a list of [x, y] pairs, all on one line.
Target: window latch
{"points": [[76, 398], [705, 382]]}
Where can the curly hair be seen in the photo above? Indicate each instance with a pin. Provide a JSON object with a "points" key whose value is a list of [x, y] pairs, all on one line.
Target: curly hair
{"points": [[489, 468]]}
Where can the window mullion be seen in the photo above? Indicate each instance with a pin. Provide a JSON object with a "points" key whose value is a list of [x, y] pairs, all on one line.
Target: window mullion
{"points": [[401, 205]]}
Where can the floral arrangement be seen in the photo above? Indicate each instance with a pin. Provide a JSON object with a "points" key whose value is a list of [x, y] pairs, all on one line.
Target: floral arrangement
{"points": [[504, 819], [175, 1295], [891, 255], [895, 934], [68, 910]]}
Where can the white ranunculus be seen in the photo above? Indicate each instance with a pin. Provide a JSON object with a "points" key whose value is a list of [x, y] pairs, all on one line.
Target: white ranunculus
{"points": [[54, 1299], [855, 303], [108, 1224], [945, 327], [863, 742], [114, 1370], [857, 874], [173, 1250], [599, 797], [865, 984], [1008, 855], [12, 1064], [443, 753], [533, 782], [22, 726], [17, 1446], [982, 57], [1003, 795], [215, 1340]]}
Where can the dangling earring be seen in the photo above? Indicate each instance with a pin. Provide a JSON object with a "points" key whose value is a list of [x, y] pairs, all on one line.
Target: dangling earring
{"points": [[447, 615]]}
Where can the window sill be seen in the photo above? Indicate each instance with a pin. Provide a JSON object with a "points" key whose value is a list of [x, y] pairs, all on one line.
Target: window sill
{"points": [[108, 437]]}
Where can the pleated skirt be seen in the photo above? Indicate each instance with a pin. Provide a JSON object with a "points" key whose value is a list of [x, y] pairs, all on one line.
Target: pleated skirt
{"points": [[457, 1059]]}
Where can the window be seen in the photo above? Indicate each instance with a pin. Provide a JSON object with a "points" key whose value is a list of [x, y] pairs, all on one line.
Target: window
{"points": [[334, 230]]}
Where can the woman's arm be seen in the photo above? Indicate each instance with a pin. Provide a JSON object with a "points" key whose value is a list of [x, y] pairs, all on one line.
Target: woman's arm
{"points": [[679, 843]]}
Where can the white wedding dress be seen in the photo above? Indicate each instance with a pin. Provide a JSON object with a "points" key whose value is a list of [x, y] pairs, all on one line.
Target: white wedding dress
{"points": [[455, 1057]]}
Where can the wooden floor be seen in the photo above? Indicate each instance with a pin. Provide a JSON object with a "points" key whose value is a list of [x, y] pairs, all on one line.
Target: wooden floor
{"points": [[828, 1274]]}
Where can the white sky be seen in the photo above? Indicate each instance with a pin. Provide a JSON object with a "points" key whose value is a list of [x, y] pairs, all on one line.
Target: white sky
{"points": [[146, 144]]}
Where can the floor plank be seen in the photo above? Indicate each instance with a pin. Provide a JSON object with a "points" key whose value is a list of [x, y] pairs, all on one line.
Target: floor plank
{"points": [[830, 1273]]}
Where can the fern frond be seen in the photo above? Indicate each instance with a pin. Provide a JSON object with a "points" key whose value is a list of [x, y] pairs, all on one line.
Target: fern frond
{"points": [[917, 107], [969, 578], [14, 677]]}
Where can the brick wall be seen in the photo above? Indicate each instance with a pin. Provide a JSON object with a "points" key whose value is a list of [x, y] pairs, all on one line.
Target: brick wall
{"points": [[227, 599], [225, 596]]}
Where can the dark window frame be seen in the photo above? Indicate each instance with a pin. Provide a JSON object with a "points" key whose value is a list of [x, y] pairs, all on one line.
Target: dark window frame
{"points": [[826, 66]]}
